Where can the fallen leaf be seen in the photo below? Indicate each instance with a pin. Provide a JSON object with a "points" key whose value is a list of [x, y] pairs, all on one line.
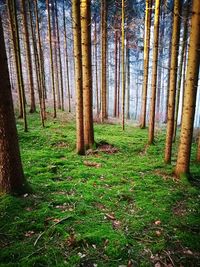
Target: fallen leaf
{"points": [[157, 222], [158, 233], [29, 233], [71, 240], [92, 164], [157, 264], [110, 216], [116, 224]]}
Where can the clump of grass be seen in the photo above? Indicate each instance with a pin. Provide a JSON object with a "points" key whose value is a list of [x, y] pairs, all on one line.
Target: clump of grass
{"points": [[129, 209]]}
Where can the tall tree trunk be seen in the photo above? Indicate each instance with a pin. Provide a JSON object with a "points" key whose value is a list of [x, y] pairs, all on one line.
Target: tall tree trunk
{"points": [[87, 73], [104, 114], [55, 50], [183, 159], [173, 80], [116, 69], [51, 59], [146, 61], [128, 79], [123, 66], [96, 65], [78, 76], [12, 178], [154, 72], [119, 77], [28, 57], [183, 51], [41, 61], [66, 58], [59, 57], [37, 67]]}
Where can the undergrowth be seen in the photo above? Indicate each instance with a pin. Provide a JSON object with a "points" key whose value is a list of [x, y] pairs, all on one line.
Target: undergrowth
{"points": [[105, 209]]}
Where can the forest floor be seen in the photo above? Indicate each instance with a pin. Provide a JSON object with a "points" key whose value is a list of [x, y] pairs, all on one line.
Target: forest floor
{"points": [[118, 206]]}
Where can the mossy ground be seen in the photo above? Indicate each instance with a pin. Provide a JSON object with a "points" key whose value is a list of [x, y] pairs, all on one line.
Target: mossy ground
{"points": [[126, 210]]}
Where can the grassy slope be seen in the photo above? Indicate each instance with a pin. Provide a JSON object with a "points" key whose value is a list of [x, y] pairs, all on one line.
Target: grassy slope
{"points": [[109, 212]]}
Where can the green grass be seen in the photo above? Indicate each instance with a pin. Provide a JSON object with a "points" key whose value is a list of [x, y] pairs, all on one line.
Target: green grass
{"points": [[108, 213]]}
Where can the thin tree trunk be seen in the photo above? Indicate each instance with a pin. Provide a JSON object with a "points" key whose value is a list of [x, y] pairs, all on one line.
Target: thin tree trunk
{"points": [[78, 76], [28, 57], [104, 114], [184, 150], [96, 65], [119, 78], [66, 58], [12, 178], [51, 59], [123, 66], [154, 72], [41, 61], [198, 150], [116, 69], [173, 80], [183, 51], [128, 80], [146, 61], [59, 57], [87, 72], [37, 67]]}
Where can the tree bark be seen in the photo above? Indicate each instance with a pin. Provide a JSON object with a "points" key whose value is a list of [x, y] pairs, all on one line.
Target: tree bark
{"points": [[51, 59], [12, 178], [123, 66], [28, 57], [154, 72], [104, 114], [173, 80], [87, 72], [78, 77], [183, 159], [116, 69], [146, 61]]}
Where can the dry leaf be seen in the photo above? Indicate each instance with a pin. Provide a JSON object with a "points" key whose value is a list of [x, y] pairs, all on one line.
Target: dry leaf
{"points": [[116, 224], [158, 233], [29, 233], [110, 216], [157, 222], [92, 164]]}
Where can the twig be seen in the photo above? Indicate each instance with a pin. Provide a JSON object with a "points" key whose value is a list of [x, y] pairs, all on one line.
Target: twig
{"points": [[41, 234]]}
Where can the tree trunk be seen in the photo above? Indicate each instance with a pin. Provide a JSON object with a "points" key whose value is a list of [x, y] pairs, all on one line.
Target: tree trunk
{"points": [[123, 66], [173, 80], [28, 57], [59, 57], [51, 59], [66, 57], [78, 76], [183, 159], [12, 179], [104, 114], [116, 68], [119, 78], [96, 65], [37, 67], [146, 61], [154, 72], [128, 79], [87, 72], [183, 51], [41, 61]]}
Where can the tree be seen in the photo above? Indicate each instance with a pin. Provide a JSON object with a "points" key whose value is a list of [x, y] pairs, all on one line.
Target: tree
{"points": [[78, 77], [173, 80], [104, 114], [87, 72], [123, 65], [198, 150], [184, 150], [154, 72], [12, 11], [12, 178], [146, 61], [51, 59]]}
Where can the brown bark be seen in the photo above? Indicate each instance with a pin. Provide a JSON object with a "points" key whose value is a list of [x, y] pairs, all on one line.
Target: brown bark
{"points": [[198, 150], [104, 114], [119, 77], [154, 72], [78, 76], [51, 59], [87, 72], [96, 66], [11, 173], [66, 58], [146, 61], [173, 80], [123, 65], [116, 70], [183, 159], [28, 57]]}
